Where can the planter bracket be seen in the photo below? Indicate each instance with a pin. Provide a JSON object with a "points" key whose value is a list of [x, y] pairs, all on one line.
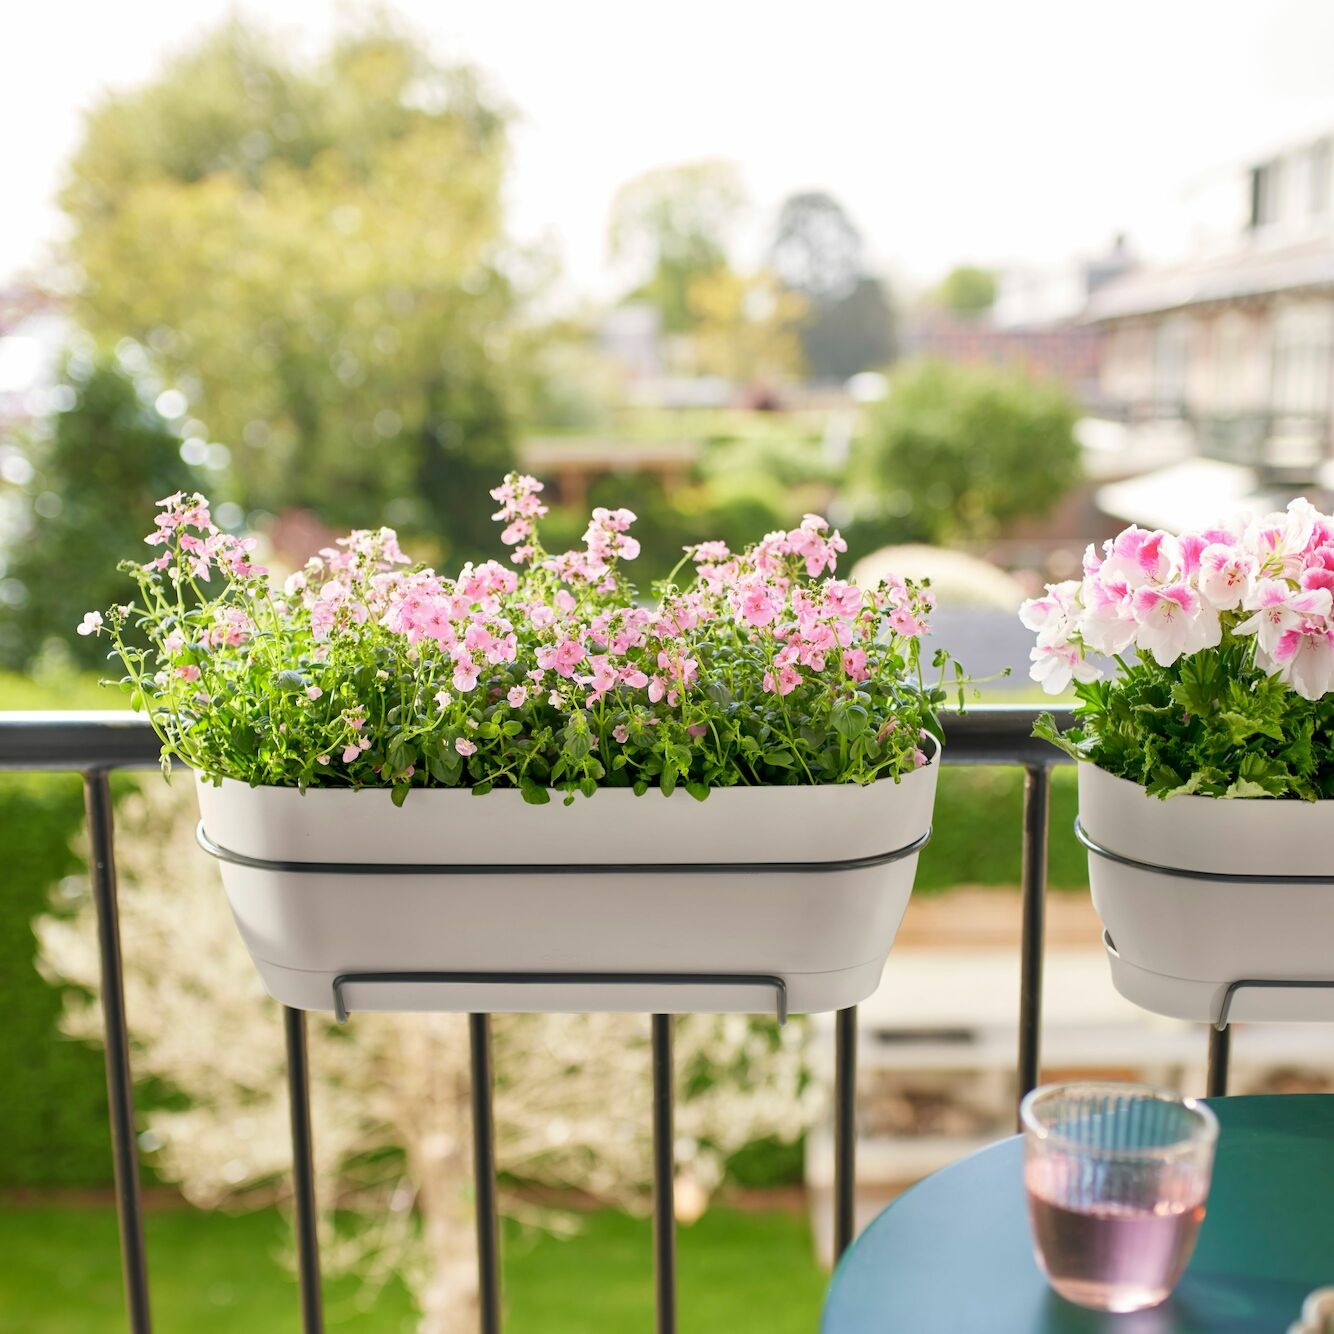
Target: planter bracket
{"points": [[1214, 877], [778, 985], [1268, 984]]}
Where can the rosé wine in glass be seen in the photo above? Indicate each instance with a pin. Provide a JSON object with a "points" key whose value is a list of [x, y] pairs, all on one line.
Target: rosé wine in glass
{"points": [[1117, 1176]]}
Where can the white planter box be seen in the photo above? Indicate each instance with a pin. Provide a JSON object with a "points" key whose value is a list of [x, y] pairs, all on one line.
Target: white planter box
{"points": [[825, 931], [1176, 942]]}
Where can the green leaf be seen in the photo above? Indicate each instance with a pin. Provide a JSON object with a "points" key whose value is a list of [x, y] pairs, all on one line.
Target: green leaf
{"points": [[399, 793], [700, 791], [534, 793], [1071, 742]]}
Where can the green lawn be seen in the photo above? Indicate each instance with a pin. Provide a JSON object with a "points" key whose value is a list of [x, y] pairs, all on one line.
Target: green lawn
{"points": [[739, 1272]]}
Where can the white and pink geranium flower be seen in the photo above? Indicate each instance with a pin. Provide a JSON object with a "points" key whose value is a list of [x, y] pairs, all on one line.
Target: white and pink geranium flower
{"points": [[1168, 596]]}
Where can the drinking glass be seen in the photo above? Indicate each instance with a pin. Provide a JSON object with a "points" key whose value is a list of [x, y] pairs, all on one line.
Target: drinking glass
{"points": [[1117, 1176]]}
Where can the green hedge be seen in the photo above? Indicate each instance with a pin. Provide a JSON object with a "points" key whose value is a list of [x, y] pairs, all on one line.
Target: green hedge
{"points": [[55, 1100]]}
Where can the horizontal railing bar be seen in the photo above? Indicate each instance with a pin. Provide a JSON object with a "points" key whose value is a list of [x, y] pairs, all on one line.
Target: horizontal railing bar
{"points": [[78, 740], [83, 740], [1002, 734]]}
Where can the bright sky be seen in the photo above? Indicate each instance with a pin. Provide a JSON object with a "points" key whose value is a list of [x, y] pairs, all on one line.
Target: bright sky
{"points": [[1018, 132]]}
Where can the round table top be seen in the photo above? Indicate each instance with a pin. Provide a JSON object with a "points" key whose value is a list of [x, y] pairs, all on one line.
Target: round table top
{"points": [[953, 1255]]}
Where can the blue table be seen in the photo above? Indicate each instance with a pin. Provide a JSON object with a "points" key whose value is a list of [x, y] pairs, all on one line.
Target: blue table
{"points": [[953, 1256]]}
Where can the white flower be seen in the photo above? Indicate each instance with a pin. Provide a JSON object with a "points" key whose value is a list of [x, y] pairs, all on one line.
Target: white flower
{"points": [[91, 623], [1227, 575], [1304, 659], [1173, 621], [1052, 617], [1056, 665], [1278, 609]]}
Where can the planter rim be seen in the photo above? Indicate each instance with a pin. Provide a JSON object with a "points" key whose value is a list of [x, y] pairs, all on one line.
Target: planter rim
{"points": [[1258, 840], [777, 825], [202, 777]]}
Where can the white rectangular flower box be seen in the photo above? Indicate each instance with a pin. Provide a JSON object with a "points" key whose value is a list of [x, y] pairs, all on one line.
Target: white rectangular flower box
{"points": [[1193, 895], [803, 886]]}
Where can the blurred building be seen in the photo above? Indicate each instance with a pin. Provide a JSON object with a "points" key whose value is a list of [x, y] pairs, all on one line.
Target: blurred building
{"points": [[1036, 326], [1233, 349]]}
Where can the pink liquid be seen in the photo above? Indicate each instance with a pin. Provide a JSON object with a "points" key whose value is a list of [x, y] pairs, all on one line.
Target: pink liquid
{"points": [[1111, 1256]]}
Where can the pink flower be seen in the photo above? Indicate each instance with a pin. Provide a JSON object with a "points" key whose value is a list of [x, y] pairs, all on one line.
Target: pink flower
{"points": [[466, 672], [903, 622], [443, 699], [620, 734], [464, 746], [313, 692], [351, 752], [854, 663], [321, 759], [787, 680], [517, 696], [757, 606], [189, 672]]}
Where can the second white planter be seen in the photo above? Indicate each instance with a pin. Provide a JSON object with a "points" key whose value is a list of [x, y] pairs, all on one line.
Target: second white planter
{"points": [[753, 899], [1192, 894]]}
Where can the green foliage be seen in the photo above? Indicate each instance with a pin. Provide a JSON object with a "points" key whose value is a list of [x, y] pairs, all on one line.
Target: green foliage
{"points": [[1212, 724], [967, 290], [313, 255], [978, 819], [224, 1274], [954, 454], [106, 459], [359, 673]]}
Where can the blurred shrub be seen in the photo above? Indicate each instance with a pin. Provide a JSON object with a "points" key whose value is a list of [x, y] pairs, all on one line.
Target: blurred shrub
{"points": [[103, 463], [956, 453]]}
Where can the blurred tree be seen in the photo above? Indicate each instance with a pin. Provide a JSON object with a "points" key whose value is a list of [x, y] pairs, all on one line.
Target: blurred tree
{"points": [[673, 225], [314, 256], [854, 333], [967, 290], [107, 458], [816, 249], [818, 253], [745, 327], [956, 453]]}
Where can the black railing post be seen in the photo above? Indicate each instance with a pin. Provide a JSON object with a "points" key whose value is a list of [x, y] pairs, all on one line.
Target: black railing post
{"points": [[664, 1179], [484, 1174], [120, 1086], [1220, 1053], [1037, 783], [845, 1130], [303, 1173]]}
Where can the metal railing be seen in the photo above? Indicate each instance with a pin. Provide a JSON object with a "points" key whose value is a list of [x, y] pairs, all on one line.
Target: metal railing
{"points": [[96, 744]]}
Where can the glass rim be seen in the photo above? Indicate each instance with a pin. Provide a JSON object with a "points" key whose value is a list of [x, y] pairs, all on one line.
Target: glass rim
{"points": [[1206, 1133]]}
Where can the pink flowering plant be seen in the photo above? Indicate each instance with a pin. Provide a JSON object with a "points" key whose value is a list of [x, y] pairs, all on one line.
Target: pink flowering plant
{"points": [[362, 669], [1231, 631]]}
